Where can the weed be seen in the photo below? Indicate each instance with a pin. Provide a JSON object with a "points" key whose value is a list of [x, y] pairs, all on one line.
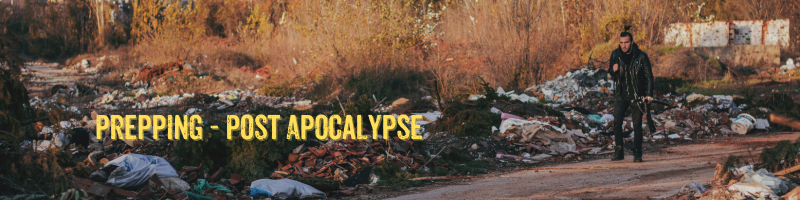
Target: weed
{"points": [[670, 49], [781, 103], [211, 151], [392, 176], [467, 120], [781, 156], [393, 84]]}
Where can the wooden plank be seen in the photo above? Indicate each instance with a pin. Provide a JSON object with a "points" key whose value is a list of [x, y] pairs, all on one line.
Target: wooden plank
{"points": [[784, 120], [787, 170]]}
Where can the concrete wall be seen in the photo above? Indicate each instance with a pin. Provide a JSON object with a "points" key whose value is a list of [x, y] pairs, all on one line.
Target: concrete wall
{"points": [[714, 34], [756, 56]]}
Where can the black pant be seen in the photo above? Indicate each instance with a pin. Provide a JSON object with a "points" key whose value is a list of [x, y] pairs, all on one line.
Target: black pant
{"points": [[621, 105]]}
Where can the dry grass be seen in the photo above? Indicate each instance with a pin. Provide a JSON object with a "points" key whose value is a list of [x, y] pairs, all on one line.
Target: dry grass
{"points": [[317, 48]]}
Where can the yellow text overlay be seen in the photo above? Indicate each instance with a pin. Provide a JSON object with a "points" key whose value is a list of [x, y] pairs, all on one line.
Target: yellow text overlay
{"points": [[261, 127]]}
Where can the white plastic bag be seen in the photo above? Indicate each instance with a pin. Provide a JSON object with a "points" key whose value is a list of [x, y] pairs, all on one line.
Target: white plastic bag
{"points": [[763, 177], [285, 188], [135, 169]]}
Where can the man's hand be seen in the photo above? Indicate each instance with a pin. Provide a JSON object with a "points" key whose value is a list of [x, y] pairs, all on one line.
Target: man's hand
{"points": [[648, 99], [616, 67]]}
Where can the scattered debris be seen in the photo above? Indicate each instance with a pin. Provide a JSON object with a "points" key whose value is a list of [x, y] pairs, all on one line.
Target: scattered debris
{"points": [[283, 189], [693, 189]]}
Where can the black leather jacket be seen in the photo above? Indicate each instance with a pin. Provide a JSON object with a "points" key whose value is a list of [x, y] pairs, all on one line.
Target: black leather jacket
{"points": [[640, 69]]}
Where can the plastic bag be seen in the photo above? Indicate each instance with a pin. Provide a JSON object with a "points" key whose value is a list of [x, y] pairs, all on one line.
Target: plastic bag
{"points": [[693, 188], [283, 189], [175, 183], [763, 177], [202, 185], [135, 169]]}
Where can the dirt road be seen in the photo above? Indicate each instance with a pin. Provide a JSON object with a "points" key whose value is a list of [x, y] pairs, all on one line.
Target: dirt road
{"points": [[662, 174], [47, 76]]}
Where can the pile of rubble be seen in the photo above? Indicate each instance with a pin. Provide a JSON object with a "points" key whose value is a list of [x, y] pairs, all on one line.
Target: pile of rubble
{"points": [[240, 100], [85, 65], [338, 160], [572, 86], [585, 98], [150, 72], [743, 183], [576, 120]]}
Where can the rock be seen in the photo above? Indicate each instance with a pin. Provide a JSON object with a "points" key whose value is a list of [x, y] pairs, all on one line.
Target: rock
{"points": [[474, 146]]}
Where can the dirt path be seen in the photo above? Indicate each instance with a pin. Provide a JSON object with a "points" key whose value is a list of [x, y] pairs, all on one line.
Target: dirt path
{"points": [[48, 76], [662, 174]]}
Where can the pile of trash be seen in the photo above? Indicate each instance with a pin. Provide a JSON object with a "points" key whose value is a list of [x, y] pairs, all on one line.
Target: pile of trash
{"points": [[150, 72], [790, 68], [742, 183], [92, 65], [145, 176], [585, 99], [339, 160], [574, 85], [143, 98], [44, 104]]}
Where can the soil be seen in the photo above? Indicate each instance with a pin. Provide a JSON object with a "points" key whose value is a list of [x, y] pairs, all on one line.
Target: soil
{"points": [[665, 170]]}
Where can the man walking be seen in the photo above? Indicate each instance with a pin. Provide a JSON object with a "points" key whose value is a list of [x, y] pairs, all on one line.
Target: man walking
{"points": [[630, 69]]}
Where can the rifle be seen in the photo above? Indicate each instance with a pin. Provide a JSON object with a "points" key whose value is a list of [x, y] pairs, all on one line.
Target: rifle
{"points": [[651, 125]]}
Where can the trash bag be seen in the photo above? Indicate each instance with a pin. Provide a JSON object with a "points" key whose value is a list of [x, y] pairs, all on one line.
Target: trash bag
{"points": [[135, 169], [763, 177], [283, 189]]}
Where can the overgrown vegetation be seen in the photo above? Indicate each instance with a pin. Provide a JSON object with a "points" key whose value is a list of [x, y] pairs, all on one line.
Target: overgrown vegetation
{"points": [[386, 48], [392, 176], [24, 170], [781, 156], [781, 103], [472, 118]]}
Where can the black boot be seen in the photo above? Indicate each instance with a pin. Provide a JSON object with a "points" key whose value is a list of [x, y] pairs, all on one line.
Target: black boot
{"points": [[619, 153], [637, 154]]}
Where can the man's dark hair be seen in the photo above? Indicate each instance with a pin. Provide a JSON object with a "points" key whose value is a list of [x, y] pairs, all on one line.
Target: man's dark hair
{"points": [[626, 34]]}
